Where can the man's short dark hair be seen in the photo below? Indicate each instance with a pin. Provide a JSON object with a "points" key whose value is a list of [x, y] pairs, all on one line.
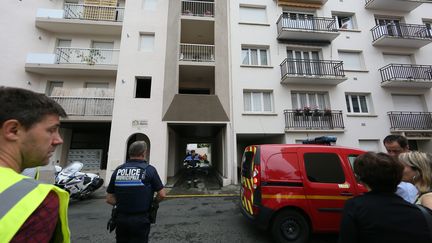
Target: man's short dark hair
{"points": [[26, 106], [401, 140], [380, 171], [137, 148]]}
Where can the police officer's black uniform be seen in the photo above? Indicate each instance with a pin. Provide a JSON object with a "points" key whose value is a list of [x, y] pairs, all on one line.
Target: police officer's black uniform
{"points": [[133, 185]]}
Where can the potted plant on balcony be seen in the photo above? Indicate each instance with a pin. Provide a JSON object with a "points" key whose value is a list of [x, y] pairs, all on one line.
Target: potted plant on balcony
{"points": [[317, 112], [298, 112], [307, 111], [327, 112]]}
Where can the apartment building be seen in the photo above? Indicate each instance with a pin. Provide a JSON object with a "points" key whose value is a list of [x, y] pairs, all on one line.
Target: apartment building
{"points": [[224, 73], [358, 70]]}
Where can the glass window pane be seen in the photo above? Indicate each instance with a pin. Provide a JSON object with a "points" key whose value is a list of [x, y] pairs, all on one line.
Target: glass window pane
{"points": [[363, 104], [254, 56], [245, 56], [324, 168], [295, 104], [303, 101], [256, 102], [355, 104], [247, 101], [267, 101], [312, 101], [263, 57], [347, 103], [321, 101]]}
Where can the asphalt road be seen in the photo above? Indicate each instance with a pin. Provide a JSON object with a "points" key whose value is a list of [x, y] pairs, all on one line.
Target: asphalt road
{"points": [[209, 219]]}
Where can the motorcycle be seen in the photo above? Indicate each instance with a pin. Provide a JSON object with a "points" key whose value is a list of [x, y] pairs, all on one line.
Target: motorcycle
{"points": [[79, 185]]}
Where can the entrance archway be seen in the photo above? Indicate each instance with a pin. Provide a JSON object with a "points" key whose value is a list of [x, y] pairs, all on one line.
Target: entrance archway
{"points": [[138, 137]]}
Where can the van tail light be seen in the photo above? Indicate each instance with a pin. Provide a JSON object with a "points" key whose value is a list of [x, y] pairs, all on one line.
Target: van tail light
{"points": [[255, 177]]}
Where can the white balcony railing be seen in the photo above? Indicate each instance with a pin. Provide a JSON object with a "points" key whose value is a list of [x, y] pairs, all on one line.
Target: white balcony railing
{"points": [[90, 56], [198, 8], [86, 106], [93, 12], [197, 52]]}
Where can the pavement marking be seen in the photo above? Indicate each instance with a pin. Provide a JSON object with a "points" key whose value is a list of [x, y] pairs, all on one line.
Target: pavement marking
{"points": [[202, 195]]}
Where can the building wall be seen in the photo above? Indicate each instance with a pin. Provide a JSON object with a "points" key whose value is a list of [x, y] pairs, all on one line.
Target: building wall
{"points": [[375, 126], [133, 63]]}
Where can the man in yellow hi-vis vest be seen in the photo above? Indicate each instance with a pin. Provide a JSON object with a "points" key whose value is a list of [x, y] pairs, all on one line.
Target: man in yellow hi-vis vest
{"points": [[29, 134]]}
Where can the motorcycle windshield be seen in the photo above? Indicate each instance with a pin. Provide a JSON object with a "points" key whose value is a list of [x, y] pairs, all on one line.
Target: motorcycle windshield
{"points": [[73, 167]]}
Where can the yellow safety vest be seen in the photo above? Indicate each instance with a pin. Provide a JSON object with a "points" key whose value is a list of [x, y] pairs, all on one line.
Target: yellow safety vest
{"points": [[20, 196]]}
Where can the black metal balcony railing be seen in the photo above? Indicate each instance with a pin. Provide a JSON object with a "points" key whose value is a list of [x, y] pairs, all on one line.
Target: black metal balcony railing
{"points": [[198, 8], [93, 12], [406, 120], [315, 119], [306, 67], [79, 106], [407, 31], [406, 72], [90, 56], [310, 23]]}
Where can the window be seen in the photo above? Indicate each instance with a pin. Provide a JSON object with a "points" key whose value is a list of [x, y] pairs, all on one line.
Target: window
{"points": [[369, 145], [258, 101], [351, 159], [324, 168], [250, 14], [428, 26], [357, 103], [51, 86], [255, 56], [351, 60], [146, 42], [313, 100], [149, 4], [143, 87], [97, 85], [345, 20]]}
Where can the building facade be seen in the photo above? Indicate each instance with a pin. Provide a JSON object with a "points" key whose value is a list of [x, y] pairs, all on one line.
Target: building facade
{"points": [[224, 73]]}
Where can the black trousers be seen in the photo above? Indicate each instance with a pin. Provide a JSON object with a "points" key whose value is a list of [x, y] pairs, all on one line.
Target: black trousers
{"points": [[132, 228]]}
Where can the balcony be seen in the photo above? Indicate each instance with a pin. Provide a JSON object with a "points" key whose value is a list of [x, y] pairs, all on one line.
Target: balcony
{"points": [[74, 61], [197, 54], [302, 3], [315, 29], [393, 5], [406, 76], [410, 121], [81, 19], [401, 35], [86, 106], [200, 9], [313, 120], [302, 71]]}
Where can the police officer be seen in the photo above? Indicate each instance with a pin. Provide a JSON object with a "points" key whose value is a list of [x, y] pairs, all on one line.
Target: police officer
{"points": [[131, 189], [191, 162]]}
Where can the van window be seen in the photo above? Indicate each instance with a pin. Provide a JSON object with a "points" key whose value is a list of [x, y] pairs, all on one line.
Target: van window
{"points": [[352, 158], [324, 168], [247, 164]]}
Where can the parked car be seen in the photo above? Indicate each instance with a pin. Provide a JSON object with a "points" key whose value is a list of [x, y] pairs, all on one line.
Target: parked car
{"points": [[296, 189]]}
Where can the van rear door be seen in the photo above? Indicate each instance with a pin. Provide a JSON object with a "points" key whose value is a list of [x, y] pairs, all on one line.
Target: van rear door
{"points": [[327, 184], [247, 172]]}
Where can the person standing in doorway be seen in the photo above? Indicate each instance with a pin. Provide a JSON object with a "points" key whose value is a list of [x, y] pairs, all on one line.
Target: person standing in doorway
{"points": [[395, 145], [191, 162], [131, 189], [30, 211]]}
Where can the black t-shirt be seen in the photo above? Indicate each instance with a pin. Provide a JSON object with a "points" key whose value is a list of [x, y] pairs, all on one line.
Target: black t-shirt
{"points": [[382, 217], [134, 186]]}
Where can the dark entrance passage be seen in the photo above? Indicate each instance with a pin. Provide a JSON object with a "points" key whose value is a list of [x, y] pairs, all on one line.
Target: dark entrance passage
{"points": [[208, 142]]}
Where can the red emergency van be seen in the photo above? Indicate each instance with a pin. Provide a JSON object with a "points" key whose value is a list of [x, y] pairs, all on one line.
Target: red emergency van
{"points": [[296, 189]]}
